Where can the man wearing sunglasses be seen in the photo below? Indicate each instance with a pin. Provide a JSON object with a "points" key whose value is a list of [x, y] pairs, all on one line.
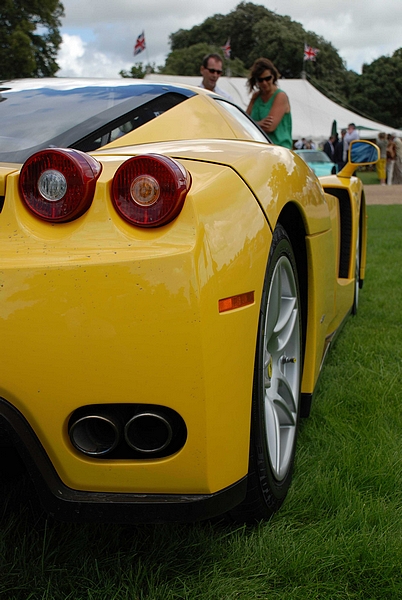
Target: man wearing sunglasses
{"points": [[211, 70]]}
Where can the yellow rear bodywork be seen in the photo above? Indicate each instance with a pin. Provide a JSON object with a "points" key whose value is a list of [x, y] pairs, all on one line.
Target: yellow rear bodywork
{"points": [[107, 313], [97, 311]]}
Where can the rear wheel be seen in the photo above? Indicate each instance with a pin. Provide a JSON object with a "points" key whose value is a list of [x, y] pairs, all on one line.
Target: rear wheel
{"points": [[277, 380], [357, 276]]}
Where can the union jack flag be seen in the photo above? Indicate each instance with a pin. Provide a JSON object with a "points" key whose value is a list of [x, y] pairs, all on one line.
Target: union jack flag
{"points": [[139, 44], [227, 49], [310, 53]]}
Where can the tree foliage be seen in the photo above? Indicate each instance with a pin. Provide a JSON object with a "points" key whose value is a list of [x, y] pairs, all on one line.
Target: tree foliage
{"points": [[378, 90], [187, 61], [255, 31], [29, 37], [138, 71]]}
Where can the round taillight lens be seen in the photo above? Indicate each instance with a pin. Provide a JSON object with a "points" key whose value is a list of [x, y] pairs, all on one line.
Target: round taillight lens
{"points": [[58, 184], [149, 190]]}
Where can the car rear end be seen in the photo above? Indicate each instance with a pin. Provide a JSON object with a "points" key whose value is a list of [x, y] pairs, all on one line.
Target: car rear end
{"points": [[126, 347]]}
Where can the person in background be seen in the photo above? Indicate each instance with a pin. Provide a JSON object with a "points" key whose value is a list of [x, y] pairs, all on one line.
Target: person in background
{"points": [[391, 157], [398, 161], [211, 69], [329, 147], [338, 155], [382, 163], [300, 143], [269, 106], [350, 135]]}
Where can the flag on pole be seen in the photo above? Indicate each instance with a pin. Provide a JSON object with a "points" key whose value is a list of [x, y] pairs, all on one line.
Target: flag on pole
{"points": [[227, 49], [139, 44], [310, 53]]}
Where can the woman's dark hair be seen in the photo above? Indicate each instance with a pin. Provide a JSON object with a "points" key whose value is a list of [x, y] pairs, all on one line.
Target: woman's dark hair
{"points": [[258, 68]]}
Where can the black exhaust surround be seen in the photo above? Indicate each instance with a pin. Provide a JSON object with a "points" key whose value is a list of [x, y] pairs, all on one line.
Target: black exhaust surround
{"points": [[126, 431]]}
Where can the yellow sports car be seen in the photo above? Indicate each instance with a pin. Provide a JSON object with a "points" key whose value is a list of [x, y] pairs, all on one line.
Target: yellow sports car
{"points": [[170, 283]]}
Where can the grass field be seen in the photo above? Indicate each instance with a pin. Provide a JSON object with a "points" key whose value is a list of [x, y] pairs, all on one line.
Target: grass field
{"points": [[368, 177], [339, 534]]}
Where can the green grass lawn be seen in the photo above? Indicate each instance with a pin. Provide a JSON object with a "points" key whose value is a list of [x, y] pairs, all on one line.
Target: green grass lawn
{"points": [[338, 535], [368, 177]]}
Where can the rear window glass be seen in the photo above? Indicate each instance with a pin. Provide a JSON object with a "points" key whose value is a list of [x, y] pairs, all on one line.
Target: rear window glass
{"points": [[81, 117], [245, 121]]}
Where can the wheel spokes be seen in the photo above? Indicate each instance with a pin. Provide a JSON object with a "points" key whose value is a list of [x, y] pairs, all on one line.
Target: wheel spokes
{"points": [[281, 420], [281, 368]]}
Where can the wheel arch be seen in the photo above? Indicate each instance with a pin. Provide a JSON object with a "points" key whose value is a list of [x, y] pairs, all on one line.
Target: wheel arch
{"points": [[363, 238], [292, 220]]}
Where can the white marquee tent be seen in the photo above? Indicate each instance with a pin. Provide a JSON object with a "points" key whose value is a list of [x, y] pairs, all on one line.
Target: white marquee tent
{"points": [[312, 112]]}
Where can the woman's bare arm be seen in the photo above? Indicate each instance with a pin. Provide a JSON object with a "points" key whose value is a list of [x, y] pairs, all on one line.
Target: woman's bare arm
{"points": [[280, 106]]}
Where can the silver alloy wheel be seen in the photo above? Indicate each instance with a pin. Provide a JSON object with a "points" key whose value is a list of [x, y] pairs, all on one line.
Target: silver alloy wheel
{"points": [[281, 379]]}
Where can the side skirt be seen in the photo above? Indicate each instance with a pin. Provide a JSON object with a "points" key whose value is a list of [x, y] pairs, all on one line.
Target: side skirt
{"points": [[307, 398]]}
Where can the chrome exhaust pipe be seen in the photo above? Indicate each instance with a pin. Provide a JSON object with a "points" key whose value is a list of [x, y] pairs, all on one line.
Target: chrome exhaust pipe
{"points": [[95, 434], [148, 432]]}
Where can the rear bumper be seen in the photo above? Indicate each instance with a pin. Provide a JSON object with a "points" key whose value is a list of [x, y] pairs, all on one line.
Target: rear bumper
{"points": [[67, 504]]}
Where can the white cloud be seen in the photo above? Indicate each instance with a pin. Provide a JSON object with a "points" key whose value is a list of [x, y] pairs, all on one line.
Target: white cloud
{"points": [[80, 59], [71, 51]]}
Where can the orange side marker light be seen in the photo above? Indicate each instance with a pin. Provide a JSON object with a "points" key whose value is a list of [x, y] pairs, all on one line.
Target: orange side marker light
{"points": [[238, 301]]}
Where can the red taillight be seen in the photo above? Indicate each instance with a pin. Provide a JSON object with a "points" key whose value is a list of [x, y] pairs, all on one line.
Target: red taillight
{"points": [[58, 184], [149, 190]]}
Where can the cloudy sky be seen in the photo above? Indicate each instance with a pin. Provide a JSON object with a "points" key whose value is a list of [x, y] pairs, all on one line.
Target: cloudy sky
{"points": [[99, 35]]}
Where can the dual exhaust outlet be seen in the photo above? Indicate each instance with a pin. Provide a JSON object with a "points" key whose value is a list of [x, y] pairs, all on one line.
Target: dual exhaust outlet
{"points": [[148, 433]]}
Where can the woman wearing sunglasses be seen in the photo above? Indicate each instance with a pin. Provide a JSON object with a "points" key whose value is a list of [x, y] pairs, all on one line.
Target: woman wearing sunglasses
{"points": [[269, 106]]}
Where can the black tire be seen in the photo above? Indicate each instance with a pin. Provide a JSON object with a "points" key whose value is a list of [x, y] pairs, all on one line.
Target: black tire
{"points": [[11, 465], [276, 390], [358, 282]]}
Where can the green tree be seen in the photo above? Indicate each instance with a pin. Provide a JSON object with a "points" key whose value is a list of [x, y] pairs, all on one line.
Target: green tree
{"points": [[282, 40], [187, 61], [211, 30], [378, 91], [29, 37], [138, 71], [256, 31]]}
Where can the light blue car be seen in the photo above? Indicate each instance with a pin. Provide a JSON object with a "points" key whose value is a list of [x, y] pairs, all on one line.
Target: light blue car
{"points": [[318, 161]]}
